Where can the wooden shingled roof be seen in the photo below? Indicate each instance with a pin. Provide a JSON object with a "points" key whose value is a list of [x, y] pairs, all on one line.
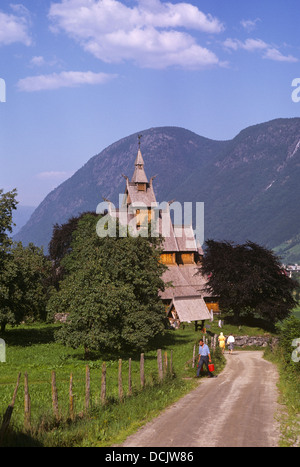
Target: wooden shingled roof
{"points": [[143, 198], [188, 309], [139, 175], [185, 282]]}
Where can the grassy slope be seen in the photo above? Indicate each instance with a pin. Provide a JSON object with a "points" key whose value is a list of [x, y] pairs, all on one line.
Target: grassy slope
{"points": [[32, 349], [289, 251]]}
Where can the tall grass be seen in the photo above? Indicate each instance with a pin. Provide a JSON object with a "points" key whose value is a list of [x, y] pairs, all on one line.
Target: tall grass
{"points": [[289, 381]]}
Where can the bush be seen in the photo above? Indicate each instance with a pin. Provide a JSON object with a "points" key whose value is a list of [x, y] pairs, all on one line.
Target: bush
{"points": [[289, 330]]}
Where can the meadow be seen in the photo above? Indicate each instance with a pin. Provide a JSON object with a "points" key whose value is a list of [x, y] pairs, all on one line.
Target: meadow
{"points": [[32, 349]]}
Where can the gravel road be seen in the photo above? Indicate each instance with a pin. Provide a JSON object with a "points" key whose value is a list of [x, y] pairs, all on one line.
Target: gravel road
{"points": [[236, 409]]}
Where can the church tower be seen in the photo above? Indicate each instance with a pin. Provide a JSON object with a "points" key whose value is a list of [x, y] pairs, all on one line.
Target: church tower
{"points": [[139, 196], [139, 176]]}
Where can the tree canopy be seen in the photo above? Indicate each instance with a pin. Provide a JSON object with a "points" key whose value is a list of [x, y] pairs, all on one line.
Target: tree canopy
{"points": [[24, 272], [8, 203], [24, 285], [248, 278], [60, 245], [110, 291]]}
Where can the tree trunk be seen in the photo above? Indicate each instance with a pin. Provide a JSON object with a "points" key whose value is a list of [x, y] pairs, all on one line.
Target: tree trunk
{"points": [[86, 353], [236, 316]]}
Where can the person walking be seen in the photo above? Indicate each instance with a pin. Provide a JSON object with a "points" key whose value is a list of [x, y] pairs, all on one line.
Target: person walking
{"points": [[204, 358], [230, 343], [222, 341]]}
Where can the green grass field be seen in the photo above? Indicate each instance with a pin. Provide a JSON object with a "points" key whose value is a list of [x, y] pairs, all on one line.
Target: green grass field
{"points": [[32, 349]]}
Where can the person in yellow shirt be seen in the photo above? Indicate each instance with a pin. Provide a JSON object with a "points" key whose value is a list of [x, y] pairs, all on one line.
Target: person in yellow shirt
{"points": [[222, 341]]}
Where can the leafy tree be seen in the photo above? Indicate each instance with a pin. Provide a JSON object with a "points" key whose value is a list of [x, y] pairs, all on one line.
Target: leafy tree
{"points": [[248, 278], [24, 285], [60, 245], [110, 291], [24, 272], [8, 203]]}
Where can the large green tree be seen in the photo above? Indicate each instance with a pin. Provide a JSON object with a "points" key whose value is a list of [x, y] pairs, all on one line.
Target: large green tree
{"points": [[24, 285], [110, 291], [248, 278], [24, 272], [8, 203], [60, 245]]}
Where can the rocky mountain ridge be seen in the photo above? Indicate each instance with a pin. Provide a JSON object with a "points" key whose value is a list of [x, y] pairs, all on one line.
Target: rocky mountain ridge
{"points": [[250, 184]]}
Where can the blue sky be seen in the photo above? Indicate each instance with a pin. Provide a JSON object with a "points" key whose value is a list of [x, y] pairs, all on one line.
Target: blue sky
{"points": [[81, 74]]}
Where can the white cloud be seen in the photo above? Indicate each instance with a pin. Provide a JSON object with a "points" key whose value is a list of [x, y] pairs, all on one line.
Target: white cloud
{"points": [[249, 24], [63, 79], [15, 27], [54, 175], [40, 61], [149, 34], [37, 61], [249, 44], [253, 45], [274, 54]]}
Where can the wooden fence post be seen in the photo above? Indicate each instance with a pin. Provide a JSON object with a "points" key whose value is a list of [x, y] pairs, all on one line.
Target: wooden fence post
{"points": [[9, 411], [15, 391], [27, 404], [103, 383], [142, 370], [54, 396], [120, 380], [159, 364], [194, 356], [171, 363], [129, 378], [71, 397], [165, 363], [87, 388]]}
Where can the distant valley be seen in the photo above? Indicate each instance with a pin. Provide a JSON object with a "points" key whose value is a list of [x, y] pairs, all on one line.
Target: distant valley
{"points": [[250, 184], [20, 216]]}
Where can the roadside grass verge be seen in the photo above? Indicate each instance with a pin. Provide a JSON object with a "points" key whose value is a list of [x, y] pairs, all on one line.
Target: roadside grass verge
{"points": [[288, 366], [289, 399]]}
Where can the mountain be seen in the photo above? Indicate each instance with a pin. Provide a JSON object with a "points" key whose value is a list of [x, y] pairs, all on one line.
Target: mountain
{"points": [[21, 216], [289, 250], [250, 184]]}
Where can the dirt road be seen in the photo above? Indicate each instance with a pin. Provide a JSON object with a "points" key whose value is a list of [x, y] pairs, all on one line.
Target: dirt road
{"points": [[236, 409]]}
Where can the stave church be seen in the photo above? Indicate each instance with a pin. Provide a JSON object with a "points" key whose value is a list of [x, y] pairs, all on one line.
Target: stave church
{"points": [[185, 298]]}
